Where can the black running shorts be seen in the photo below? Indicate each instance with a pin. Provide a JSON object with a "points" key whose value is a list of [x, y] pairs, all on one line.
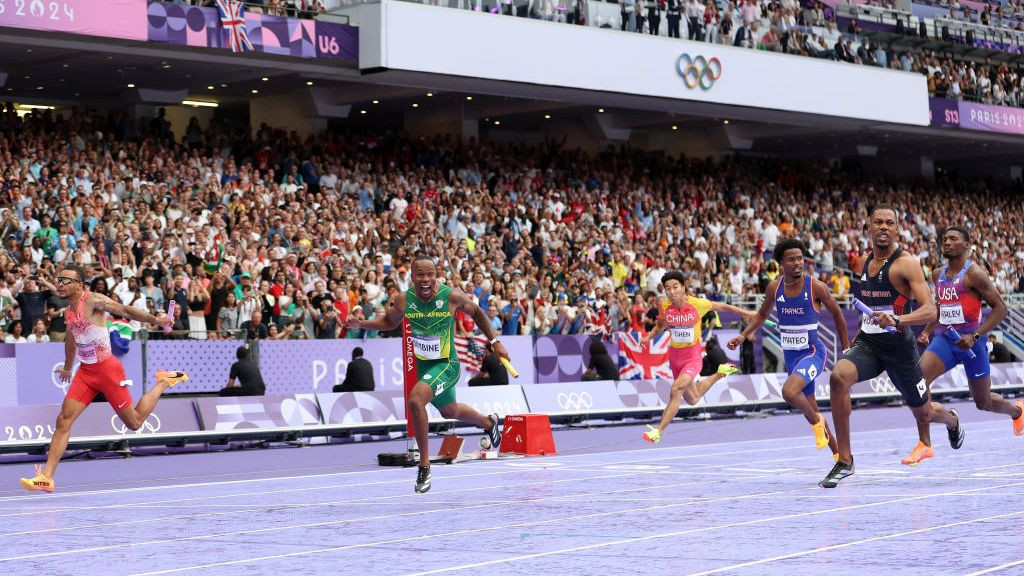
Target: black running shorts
{"points": [[897, 356]]}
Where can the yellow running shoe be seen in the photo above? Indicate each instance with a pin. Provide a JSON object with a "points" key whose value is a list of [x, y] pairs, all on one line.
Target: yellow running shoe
{"points": [[820, 434], [728, 369], [652, 435], [172, 377], [921, 452], [40, 482]]}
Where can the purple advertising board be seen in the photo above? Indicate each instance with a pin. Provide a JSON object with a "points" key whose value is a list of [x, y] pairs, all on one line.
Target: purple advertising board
{"points": [[28, 423], [943, 112], [388, 406], [974, 116], [564, 358], [301, 366], [258, 412], [298, 37], [111, 18], [991, 118], [572, 397], [38, 384]]}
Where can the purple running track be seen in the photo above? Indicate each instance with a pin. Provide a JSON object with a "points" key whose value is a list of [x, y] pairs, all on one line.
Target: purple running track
{"points": [[735, 496]]}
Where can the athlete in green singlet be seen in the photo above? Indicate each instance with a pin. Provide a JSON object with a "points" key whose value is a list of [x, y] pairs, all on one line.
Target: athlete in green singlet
{"points": [[430, 309]]}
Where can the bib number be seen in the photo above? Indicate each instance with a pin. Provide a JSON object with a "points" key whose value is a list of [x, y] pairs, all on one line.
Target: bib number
{"points": [[794, 340], [87, 353], [950, 314], [427, 347], [683, 335], [868, 327]]}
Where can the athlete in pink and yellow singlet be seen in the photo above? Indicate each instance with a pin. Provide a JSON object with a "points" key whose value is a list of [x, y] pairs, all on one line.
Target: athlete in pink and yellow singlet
{"points": [[681, 315]]}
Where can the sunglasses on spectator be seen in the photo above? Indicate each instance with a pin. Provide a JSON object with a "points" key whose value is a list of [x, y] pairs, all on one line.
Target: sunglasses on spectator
{"points": [[65, 280]]}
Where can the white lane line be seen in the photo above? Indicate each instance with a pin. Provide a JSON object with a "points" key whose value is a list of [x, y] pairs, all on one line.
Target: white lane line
{"points": [[996, 568], [685, 532], [504, 470], [854, 543], [761, 470]]}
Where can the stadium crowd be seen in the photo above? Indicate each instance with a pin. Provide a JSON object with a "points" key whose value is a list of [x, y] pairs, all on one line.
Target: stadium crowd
{"points": [[277, 236]]}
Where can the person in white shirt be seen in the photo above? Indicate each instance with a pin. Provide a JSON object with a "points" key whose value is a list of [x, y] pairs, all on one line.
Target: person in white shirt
{"points": [[38, 333]]}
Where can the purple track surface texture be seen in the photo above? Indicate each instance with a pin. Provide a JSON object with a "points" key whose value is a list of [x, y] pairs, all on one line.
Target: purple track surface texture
{"points": [[732, 496]]}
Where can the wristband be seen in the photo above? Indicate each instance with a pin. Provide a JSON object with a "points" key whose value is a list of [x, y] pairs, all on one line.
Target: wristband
{"points": [[494, 341]]}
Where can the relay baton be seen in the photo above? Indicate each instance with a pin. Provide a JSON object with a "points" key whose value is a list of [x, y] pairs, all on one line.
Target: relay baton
{"points": [[508, 366], [952, 332], [771, 323], [863, 308], [170, 315]]}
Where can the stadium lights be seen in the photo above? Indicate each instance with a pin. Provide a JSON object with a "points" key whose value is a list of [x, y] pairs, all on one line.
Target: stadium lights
{"points": [[199, 104], [209, 87], [725, 121], [469, 98], [497, 122], [600, 110], [131, 85], [376, 101], [415, 105], [309, 82], [255, 91], [265, 79], [547, 116], [362, 111], [36, 107], [429, 94], [674, 127]]}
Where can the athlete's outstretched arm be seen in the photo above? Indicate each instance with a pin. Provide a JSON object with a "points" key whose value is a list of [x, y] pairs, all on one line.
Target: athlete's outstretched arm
{"points": [[758, 319], [660, 326], [723, 307], [911, 270], [101, 302], [461, 301], [389, 321], [925, 336], [824, 295], [980, 281]]}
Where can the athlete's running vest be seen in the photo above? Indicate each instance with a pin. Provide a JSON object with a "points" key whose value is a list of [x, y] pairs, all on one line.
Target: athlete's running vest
{"points": [[432, 323], [798, 319], [957, 307], [683, 322], [92, 341], [879, 294]]}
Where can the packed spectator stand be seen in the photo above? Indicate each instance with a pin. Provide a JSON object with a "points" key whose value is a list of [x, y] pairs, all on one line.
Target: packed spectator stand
{"points": [[298, 234]]}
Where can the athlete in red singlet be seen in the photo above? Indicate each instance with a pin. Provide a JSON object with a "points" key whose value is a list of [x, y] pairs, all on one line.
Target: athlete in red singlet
{"points": [[681, 314], [99, 371]]}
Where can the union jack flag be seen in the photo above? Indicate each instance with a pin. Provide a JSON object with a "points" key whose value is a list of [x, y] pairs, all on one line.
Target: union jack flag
{"points": [[639, 363], [232, 18]]}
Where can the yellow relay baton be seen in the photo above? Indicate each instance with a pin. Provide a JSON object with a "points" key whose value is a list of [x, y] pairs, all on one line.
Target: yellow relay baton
{"points": [[508, 366]]}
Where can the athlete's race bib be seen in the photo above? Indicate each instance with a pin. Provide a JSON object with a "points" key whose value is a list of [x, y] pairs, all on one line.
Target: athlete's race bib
{"points": [[794, 340], [87, 353], [427, 347], [868, 327], [951, 314], [683, 335]]}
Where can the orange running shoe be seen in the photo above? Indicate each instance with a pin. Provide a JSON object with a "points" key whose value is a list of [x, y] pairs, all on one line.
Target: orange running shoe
{"points": [[1018, 422], [40, 482], [171, 376], [820, 434], [921, 452]]}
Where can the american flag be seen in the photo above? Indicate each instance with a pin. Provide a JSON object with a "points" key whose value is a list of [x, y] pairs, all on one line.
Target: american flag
{"points": [[232, 17], [471, 351], [638, 363]]}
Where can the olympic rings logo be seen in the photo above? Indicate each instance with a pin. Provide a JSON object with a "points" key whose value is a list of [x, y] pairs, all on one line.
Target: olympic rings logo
{"points": [[151, 425], [574, 401], [698, 71]]}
